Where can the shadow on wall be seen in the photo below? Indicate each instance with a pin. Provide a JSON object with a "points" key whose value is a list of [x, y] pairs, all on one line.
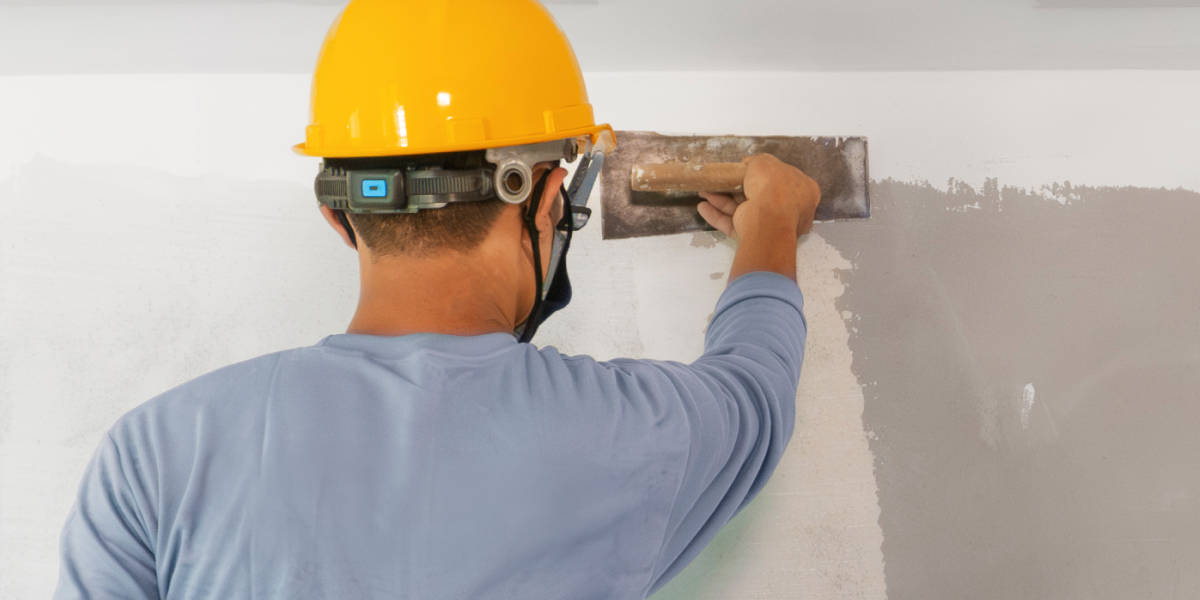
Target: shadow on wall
{"points": [[1032, 369]]}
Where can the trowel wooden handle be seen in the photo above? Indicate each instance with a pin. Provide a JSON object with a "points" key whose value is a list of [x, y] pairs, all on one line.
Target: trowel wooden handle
{"points": [[687, 177]]}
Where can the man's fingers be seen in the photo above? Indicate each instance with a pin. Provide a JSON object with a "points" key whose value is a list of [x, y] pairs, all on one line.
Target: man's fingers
{"points": [[717, 218], [721, 202]]}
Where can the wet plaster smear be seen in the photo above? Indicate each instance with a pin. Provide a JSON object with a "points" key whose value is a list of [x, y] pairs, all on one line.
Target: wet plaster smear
{"points": [[1000, 388], [1032, 369]]}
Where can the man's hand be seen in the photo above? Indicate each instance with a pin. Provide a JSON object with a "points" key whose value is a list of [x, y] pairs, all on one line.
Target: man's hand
{"points": [[768, 180], [776, 209]]}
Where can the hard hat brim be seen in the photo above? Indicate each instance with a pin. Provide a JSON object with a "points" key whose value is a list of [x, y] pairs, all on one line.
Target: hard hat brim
{"points": [[592, 131]]}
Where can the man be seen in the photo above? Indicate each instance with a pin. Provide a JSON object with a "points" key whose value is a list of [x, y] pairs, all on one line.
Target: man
{"points": [[430, 452]]}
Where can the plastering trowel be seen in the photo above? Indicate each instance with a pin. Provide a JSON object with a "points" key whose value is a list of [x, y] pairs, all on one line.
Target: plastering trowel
{"points": [[650, 183]]}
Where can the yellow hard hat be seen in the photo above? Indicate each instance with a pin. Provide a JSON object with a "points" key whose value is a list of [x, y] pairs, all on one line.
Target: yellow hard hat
{"points": [[400, 77]]}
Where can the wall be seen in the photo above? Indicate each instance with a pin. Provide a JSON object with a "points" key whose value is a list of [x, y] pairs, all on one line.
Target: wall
{"points": [[1033, 385], [157, 227], [264, 36]]}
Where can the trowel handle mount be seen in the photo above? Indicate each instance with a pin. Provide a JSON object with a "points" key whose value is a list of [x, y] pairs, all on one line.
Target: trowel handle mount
{"points": [[687, 177]]}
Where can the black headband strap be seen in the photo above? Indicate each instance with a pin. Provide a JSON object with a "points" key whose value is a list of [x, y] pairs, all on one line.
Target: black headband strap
{"points": [[529, 327], [345, 221]]}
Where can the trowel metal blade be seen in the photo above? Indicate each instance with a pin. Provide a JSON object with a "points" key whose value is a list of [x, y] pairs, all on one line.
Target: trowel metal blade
{"points": [[838, 164]]}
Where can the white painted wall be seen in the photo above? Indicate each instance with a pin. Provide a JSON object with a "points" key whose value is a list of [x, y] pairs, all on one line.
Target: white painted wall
{"points": [[156, 227], [257, 36]]}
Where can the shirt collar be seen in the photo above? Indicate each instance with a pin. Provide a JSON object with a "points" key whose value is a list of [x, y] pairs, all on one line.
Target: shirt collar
{"points": [[402, 345]]}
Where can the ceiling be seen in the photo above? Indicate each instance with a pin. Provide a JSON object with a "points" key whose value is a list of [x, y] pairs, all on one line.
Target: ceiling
{"points": [[88, 36]]}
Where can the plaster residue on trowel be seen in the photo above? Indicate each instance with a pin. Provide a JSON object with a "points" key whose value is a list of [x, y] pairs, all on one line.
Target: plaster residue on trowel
{"points": [[732, 144], [638, 175]]}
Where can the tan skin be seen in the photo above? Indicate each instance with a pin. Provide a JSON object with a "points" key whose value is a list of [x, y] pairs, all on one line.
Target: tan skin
{"points": [[490, 289], [767, 220]]}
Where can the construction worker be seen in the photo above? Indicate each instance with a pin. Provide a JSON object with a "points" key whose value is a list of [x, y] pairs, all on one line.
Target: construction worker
{"points": [[430, 451]]}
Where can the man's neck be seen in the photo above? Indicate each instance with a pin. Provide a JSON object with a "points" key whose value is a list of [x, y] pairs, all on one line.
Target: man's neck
{"points": [[448, 293]]}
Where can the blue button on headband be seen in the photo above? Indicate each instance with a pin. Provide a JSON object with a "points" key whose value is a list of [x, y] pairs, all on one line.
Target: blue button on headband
{"points": [[374, 188]]}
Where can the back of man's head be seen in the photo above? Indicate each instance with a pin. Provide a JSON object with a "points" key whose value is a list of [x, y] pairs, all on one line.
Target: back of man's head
{"points": [[458, 227]]}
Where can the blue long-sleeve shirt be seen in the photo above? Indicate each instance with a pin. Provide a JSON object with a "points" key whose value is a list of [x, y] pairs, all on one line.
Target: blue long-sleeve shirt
{"points": [[433, 466]]}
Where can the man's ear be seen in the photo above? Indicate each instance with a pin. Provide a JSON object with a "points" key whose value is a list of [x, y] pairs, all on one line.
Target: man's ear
{"points": [[545, 222], [336, 225], [544, 219]]}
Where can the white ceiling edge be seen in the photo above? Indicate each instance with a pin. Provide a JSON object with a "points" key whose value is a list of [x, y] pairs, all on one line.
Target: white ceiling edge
{"points": [[698, 3], [103, 3], [623, 35]]}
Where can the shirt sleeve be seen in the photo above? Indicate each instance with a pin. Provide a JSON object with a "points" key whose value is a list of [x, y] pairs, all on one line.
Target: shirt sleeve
{"points": [[740, 403], [106, 550]]}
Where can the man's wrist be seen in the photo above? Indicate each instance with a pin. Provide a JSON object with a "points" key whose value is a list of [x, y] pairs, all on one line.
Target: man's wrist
{"points": [[768, 216], [766, 242]]}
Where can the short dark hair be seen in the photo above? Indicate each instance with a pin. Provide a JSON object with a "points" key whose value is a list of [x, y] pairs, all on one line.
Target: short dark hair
{"points": [[458, 226]]}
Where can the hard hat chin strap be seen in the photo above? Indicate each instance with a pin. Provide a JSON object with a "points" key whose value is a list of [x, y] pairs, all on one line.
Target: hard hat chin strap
{"points": [[530, 325]]}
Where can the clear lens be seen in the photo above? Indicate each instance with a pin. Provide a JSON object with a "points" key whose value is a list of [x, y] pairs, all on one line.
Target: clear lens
{"points": [[579, 219]]}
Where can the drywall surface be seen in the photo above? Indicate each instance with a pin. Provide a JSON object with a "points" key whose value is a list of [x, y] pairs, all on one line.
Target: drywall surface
{"points": [[157, 227], [162, 228], [812, 532], [1033, 388]]}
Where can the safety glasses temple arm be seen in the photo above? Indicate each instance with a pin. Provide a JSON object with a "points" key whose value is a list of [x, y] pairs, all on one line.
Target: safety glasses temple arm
{"points": [[586, 173]]}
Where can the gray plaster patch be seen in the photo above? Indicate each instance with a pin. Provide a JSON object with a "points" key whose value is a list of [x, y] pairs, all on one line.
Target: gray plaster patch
{"points": [[1118, 3], [704, 239], [1031, 362]]}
